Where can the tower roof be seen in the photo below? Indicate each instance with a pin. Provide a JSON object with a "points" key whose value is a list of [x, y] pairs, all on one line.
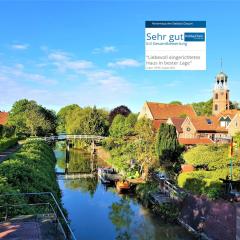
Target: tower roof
{"points": [[221, 75]]}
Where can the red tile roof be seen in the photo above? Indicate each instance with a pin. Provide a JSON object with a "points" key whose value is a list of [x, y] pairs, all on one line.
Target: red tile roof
{"points": [[231, 113], [164, 111], [177, 122], [207, 124], [194, 141], [157, 123], [3, 118]]}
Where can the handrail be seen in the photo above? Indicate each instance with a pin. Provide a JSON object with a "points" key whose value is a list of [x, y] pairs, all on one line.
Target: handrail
{"points": [[69, 136], [55, 201]]}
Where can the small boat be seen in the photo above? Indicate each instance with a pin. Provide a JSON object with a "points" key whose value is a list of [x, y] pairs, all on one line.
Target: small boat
{"points": [[106, 175], [122, 186]]}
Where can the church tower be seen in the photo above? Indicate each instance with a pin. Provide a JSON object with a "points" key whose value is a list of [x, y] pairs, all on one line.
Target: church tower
{"points": [[220, 94]]}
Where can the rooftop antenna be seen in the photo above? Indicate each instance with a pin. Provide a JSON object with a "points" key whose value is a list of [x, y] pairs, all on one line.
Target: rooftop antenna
{"points": [[221, 65]]}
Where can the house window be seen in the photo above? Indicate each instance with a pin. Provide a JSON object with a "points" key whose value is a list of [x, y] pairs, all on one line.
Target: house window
{"points": [[188, 129], [226, 96], [216, 107], [236, 124], [216, 96], [209, 121], [223, 124]]}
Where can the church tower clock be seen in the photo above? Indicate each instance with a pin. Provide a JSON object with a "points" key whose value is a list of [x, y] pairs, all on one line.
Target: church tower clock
{"points": [[220, 94]]}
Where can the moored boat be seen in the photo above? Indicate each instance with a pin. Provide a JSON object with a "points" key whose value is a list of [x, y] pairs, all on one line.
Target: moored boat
{"points": [[122, 186]]}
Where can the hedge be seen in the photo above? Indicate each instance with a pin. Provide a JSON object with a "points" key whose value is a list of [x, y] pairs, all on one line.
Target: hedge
{"points": [[6, 143], [211, 156], [31, 169], [205, 182]]}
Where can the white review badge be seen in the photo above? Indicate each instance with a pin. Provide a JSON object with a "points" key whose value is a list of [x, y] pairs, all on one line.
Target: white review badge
{"points": [[175, 45]]}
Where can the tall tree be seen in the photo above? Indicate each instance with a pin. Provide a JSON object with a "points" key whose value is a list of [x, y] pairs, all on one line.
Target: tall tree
{"points": [[118, 126], [167, 146], [95, 124], [29, 118], [122, 110], [63, 114], [145, 143]]}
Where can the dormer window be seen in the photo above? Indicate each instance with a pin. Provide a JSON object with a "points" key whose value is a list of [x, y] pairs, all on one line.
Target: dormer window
{"points": [[225, 121], [209, 121]]}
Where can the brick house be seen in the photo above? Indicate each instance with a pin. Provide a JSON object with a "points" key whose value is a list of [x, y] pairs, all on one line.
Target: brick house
{"points": [[192, 129], [202, 127], [160, 112]]}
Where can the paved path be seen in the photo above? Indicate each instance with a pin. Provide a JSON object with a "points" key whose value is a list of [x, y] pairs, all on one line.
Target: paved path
{"points": [[20, 230], [5, 154]]}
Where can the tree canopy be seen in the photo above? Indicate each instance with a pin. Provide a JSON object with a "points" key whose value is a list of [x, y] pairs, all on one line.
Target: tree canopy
{"points": [[168, 149], [29, 118], [203, 108], [73, 119], [122, 110]]}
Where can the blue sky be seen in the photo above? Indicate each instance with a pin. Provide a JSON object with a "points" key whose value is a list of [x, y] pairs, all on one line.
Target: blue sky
{"points": [[92, 52]]}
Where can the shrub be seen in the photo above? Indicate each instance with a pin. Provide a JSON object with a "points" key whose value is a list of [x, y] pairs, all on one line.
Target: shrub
{"points": [[202, 182], [212, 156], [168, 211], [6, 143], [31, 169]]}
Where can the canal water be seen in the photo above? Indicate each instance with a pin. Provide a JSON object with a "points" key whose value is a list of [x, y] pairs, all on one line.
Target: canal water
{"points": [[99, 212]]}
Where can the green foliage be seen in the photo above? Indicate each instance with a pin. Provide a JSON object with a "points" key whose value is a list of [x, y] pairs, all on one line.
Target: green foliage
{"points": [[167, 146], [168, 211], [7, 131], [85, 185], [176, 102], [117, 128], [29, 118], [131, 141], [95, 123], [31, 169], [63, 114], [211, 156], [6, 143], [203, 182], [76, 120], [203, 108], [144, 190]]}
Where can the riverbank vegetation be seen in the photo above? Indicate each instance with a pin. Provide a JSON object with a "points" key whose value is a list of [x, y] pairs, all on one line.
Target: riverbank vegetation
{"points": [[31, 169], [6, 143]]}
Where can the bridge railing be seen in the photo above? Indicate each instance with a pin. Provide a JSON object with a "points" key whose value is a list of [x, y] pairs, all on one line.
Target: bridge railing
{"points": [[69, 137], [37, 203]]}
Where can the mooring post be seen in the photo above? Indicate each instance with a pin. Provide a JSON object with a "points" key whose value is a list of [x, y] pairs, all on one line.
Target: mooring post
{"points": [[67, 156]]}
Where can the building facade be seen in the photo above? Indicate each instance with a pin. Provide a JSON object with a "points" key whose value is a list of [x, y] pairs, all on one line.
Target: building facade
{"points": [[220, 94]]}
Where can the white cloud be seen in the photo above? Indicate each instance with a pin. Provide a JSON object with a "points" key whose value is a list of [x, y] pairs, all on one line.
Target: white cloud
{"points": [[128, 62], [16, 73], [64, 61], [105, 49], [108, 81], [20, 46]]}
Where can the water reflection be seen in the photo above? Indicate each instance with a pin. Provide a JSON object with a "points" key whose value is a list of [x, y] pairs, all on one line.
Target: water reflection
{"points": [[97, 211], [121, 216], [86, 185]]}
